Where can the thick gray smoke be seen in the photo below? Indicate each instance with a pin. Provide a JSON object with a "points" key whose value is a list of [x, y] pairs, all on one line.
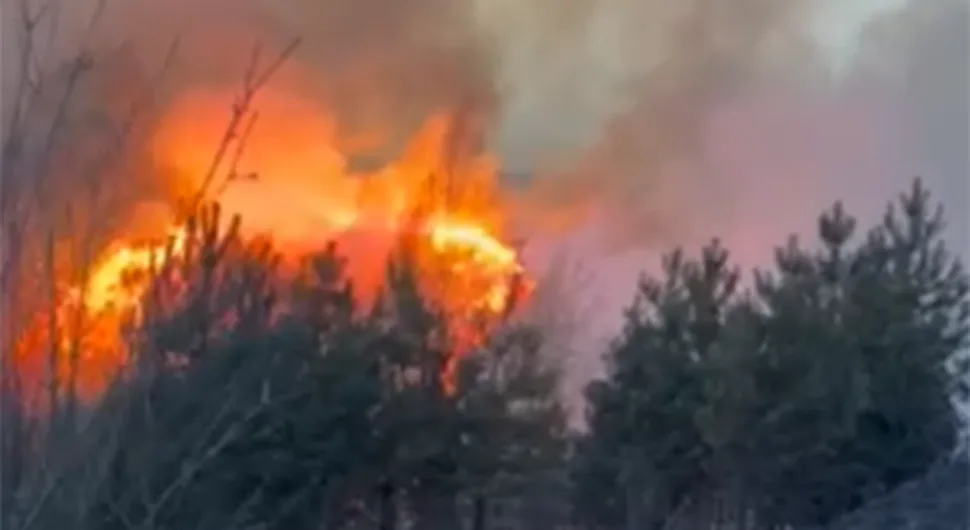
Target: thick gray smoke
{"points": [[627, 126], [611, 96], [677, 114], [651, 124], [605, 105]]}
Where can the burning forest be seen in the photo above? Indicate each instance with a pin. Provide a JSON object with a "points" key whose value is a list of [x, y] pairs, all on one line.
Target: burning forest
{"points": [[287, 182], [296, 265]]}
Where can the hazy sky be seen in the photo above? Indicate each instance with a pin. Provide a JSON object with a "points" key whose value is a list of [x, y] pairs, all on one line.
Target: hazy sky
{"points": [[838, 27], [778, 155]]}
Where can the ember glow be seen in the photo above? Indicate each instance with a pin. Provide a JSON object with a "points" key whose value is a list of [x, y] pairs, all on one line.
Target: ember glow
{"points": [[291, 182]]}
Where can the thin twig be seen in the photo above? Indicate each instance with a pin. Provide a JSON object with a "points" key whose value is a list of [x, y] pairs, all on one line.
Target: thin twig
{"points": [[252, 83], [234, 174]]}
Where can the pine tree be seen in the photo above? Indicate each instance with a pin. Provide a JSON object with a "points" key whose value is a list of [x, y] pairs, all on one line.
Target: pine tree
{"points": [[852, 378], [793, 403], [269, 419], [909, 314], [499, 425], [644, 439]]}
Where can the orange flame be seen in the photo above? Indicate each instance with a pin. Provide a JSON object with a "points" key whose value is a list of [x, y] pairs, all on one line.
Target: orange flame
{"points": [[107, 289], [289, 181]]}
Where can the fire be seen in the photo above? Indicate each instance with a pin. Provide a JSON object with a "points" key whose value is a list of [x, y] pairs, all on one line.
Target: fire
{"points": [[107, 289], [290, 180], [490, 255]]}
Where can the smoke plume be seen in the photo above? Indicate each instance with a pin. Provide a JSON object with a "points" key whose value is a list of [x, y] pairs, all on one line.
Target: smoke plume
{"points": [[593, 107], [623, 126]]}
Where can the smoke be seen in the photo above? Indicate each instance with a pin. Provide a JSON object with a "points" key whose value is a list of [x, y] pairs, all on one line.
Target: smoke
{"points": [[623, 126], [640, 112], [645, 125], [380, 65], [596, 109], [882, 101]]}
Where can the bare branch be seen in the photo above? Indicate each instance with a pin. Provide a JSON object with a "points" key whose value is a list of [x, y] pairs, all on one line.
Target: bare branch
{"points": [[254, 80]]}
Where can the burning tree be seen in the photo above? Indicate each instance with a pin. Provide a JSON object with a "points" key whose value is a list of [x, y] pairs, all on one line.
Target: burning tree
{"points": [[217, 369], [437, 194], [254, 396]]}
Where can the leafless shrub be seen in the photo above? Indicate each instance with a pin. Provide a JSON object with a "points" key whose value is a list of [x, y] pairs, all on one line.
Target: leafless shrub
{"points": [[75, 464]]}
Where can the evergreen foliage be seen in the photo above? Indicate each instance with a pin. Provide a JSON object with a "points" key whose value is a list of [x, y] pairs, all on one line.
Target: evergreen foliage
{"points": [[264, 399], [793, 402]]}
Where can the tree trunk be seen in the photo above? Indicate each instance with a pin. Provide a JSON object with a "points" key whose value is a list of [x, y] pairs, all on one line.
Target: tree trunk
{"points": [[388, 507], [479, 512]]}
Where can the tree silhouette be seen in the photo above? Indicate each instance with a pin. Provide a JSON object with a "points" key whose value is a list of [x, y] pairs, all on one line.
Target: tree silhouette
{"points": [[823, 386]]}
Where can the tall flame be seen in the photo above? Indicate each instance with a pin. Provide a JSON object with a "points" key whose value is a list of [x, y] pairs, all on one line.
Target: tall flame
{"points": [[290, 181]]}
